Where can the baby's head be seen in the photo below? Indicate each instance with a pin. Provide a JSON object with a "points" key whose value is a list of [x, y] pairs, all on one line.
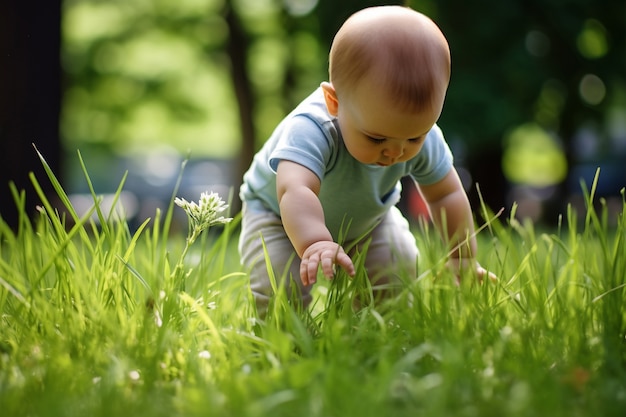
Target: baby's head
{"points": [[400, 50]]}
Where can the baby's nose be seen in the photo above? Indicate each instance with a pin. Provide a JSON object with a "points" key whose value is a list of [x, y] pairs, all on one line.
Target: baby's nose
{"points": [[394, 151]]}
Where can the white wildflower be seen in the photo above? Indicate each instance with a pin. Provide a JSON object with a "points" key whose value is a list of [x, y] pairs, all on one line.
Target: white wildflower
{"points": [[203, 214], [205, 354]]}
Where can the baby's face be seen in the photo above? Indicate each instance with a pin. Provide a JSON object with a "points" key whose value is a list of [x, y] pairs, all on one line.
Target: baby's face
{"points": [[376, 133]]}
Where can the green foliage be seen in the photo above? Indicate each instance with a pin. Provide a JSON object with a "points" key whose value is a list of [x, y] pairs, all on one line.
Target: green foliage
{"points": [[148, 72], [152, 72], [93, 325]]}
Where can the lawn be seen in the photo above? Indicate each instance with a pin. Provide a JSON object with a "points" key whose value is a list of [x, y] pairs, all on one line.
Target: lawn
{"points": [[102, 320]]}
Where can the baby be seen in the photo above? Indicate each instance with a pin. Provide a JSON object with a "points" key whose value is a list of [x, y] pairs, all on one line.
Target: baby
{"points": [[329, 176]]}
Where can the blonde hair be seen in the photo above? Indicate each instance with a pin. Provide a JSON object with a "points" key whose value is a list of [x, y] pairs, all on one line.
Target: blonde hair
{"points": [[403, 49]]}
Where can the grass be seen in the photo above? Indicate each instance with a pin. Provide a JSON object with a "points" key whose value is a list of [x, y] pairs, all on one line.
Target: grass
{"points": [[95, 323]]}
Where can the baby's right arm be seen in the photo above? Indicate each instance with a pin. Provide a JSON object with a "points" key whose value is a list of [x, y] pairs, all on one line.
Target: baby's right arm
{"points": [[303, 218]]}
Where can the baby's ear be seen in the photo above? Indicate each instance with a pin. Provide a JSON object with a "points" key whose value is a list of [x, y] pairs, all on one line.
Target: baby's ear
{"points": [[330, 96]]}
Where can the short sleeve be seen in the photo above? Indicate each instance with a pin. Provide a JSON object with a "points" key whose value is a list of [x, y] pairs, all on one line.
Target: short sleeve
{"points": [[435, 159], [305, 142]]}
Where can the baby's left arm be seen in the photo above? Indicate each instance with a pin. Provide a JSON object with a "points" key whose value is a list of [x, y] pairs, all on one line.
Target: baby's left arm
{"points": [[451, 212]]}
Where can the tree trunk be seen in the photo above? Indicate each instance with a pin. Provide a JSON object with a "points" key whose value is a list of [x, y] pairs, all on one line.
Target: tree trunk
{"points": [[237, 48], [30, 97], [488, 182]]}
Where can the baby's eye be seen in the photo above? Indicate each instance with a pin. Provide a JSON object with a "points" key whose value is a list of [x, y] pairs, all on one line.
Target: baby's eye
{"points": [[416, 140], [376, 140]]}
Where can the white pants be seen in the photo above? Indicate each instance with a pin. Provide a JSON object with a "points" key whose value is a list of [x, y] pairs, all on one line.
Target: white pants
{"points": [[392, 253]]}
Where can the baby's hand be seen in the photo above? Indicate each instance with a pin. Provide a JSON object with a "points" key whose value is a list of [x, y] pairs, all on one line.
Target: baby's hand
{"points": [[326, 254], [459, 266]]}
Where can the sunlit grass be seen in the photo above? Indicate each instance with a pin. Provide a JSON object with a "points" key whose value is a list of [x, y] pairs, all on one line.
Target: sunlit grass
{"points": [[93, 325]]}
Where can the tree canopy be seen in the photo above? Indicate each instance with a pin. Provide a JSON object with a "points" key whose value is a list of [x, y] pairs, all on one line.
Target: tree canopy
{"points": [[532, 80]]}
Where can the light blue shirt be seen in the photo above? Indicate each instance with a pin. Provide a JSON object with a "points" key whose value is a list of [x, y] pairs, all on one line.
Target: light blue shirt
{"points": [[351, 192]]}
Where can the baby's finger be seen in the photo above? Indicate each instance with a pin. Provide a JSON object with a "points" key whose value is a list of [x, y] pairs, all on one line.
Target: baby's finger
{"points": [[489, 274], [345, 262], [312, 267], [327, 264], [308, 270], [304, 273], [482, 273]]}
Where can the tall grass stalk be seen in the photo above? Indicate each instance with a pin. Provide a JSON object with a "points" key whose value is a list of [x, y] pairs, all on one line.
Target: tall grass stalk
{"points": [[94, 323]]}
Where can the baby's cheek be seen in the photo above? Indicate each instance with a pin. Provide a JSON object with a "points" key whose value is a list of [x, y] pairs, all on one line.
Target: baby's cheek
{"points": [[415, 151]]}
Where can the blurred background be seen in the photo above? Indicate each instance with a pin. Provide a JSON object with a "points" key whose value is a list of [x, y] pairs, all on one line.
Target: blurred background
{"points": [[536, 104]]}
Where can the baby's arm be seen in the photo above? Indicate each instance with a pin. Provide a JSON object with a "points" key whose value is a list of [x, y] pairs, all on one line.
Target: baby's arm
{"points": [[448, 203], [303, 218]]}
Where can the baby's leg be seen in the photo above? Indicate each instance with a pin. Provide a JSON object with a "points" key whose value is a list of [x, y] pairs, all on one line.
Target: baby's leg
{"points": [[392, 255], [283, 258]]}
